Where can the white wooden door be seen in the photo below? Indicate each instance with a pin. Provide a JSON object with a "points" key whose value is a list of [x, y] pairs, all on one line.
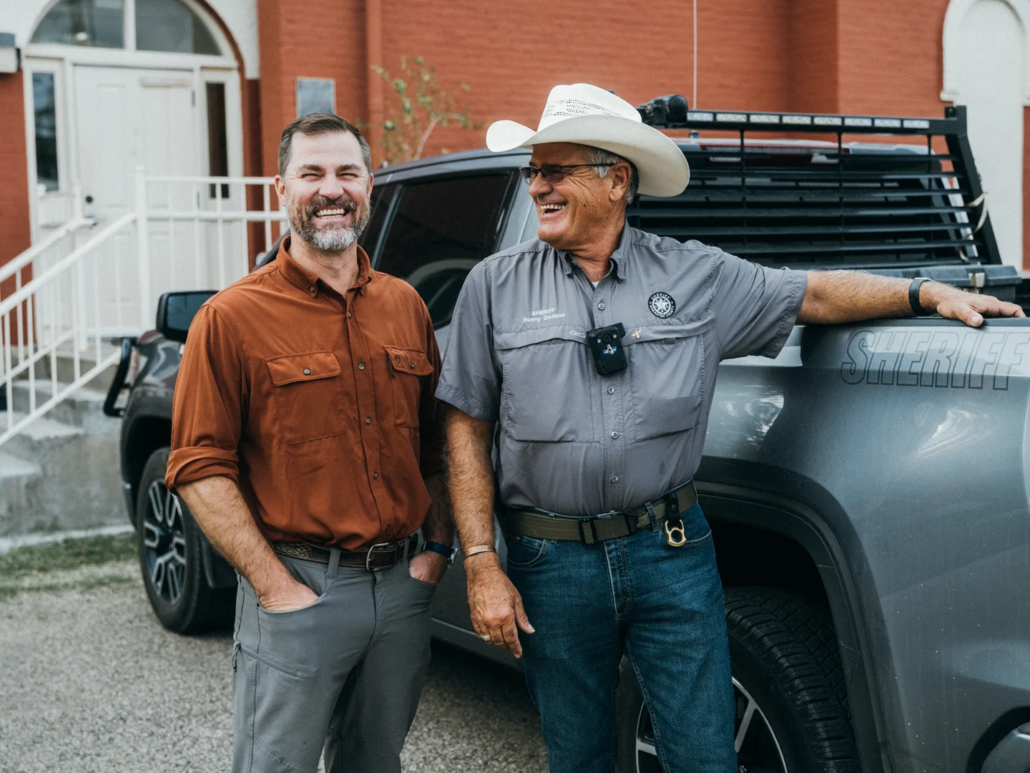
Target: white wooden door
{"points": [[127, 117], [989, 83]]}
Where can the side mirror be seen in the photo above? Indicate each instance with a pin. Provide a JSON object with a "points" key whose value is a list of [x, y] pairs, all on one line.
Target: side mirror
{"points": [[175, 312]]}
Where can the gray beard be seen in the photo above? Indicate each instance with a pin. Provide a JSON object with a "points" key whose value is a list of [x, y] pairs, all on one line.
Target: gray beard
{"points": [[328, 240], [336, 240]]}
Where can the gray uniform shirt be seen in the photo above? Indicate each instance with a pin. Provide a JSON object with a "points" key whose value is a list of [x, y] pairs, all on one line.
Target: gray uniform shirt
{"points": [[579, 443]]}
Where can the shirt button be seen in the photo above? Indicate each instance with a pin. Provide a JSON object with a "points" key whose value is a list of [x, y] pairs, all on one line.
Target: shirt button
{"points": [[376, 476], [601, 305], [611, 390], [312, 290], [412, 365], [307, 371], [361, 366], [615, 436], [368, 419], [615, 479], [348, 315]]}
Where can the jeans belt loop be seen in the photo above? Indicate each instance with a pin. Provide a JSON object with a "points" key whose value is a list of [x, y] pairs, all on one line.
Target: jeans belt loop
{"points": [[334, 563], [652, 516]]}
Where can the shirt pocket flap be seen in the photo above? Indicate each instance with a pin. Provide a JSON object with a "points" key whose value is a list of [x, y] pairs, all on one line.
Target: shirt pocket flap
{"points": [[303, 367], [518, 338], [664, 332], [410, 361]]}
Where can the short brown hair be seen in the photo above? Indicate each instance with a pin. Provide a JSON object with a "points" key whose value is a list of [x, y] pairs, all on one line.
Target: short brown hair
{"points": [[320, 123]]}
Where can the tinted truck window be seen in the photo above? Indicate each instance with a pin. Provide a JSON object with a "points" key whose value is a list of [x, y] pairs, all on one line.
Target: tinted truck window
{"points": [[441, 229]]}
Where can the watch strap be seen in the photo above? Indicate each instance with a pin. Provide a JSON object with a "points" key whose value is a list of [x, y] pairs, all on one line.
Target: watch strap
{"points": [[913, 297], [446, 551]]}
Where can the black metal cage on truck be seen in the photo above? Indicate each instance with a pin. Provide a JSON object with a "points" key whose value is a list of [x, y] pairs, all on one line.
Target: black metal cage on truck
{"points": [[890, 206]]}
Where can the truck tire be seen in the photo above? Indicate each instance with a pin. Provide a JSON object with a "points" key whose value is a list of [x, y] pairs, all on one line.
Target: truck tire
{"points": [[171, 561], [787, 671]]}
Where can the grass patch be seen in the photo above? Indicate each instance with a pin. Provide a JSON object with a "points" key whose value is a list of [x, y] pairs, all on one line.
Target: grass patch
{"points": [[67, 554]]}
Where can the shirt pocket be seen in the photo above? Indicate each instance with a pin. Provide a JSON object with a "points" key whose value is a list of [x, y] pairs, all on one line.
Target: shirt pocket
{"points": [[407, 368], [667, 377], [547, 385], [308, 395]]}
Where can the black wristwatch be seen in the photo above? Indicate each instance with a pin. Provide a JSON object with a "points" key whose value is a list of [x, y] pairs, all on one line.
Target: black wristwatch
{"points": [[444, 550], [913, 297]]}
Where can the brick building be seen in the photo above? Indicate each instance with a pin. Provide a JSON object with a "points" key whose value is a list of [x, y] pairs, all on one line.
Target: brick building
{"points": [[204, 87]]}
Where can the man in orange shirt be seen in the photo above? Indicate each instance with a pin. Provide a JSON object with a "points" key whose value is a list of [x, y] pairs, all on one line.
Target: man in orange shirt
{"points": [[305, 442]]}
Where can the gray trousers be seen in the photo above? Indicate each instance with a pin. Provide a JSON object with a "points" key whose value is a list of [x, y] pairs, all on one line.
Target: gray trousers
{"points": [[344, 673]]}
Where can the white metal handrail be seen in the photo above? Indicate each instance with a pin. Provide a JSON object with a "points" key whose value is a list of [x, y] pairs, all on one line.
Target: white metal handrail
{"points": [[198, 234], [60, 313], [36, 251], [185, 233]]}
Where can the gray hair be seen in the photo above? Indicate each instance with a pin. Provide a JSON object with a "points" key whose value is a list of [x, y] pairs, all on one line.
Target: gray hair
{"points": [[604, 159], [320, 123]]}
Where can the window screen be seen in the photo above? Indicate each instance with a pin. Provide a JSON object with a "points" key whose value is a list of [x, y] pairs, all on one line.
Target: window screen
{"points": [[441, 229]]}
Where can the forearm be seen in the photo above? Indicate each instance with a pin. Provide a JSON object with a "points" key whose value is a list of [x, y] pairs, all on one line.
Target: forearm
{"points": [[834, 297], [226, 520], [471, 478], [438, 526]]}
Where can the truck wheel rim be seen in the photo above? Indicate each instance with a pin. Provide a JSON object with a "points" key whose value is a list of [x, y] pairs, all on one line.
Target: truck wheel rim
{"points": [[758, 749], [164, 543]]}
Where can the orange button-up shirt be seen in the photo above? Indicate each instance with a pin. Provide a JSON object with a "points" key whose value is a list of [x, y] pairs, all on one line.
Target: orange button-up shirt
{"points": [[320, 406]]}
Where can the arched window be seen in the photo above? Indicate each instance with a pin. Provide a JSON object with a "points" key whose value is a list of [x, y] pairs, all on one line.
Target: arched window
{"points": [[161, 25], [97, 23], [168, 25]]}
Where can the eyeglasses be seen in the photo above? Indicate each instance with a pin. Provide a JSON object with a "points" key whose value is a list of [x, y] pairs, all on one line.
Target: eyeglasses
{"points": [[553, 173]]}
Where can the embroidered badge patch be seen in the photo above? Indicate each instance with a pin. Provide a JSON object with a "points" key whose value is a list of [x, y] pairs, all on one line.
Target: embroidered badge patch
{"points": [[662, 305]]}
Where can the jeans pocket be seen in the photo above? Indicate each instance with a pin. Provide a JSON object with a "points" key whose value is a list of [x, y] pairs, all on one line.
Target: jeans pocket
{"points": [[525, 552]]}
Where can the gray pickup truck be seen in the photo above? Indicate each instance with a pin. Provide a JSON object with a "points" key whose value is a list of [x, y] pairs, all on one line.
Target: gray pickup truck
{"points": [[868, 488]]}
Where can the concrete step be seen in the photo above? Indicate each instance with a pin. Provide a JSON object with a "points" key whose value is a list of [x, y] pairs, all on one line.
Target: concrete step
{"points": [[79, 466], [82, 408], [65, 367], [20, 503]]}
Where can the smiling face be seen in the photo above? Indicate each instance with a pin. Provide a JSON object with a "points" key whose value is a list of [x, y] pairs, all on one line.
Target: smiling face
{"points": [[580, 209], [325, 190]]}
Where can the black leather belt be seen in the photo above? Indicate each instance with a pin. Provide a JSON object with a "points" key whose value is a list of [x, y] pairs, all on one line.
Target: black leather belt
{"points": [[382, 555], [542, 524]]}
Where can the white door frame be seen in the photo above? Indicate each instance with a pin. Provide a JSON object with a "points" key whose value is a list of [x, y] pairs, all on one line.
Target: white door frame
{"points": [[61, 60]]}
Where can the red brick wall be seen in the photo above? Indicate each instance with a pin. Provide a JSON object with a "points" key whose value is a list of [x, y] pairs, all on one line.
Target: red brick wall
{"points": [[15, 233], [512, 53], [300, 39]]}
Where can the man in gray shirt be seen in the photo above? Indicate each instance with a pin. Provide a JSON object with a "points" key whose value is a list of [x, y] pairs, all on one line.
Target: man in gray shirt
{"points": [[595, 347]]}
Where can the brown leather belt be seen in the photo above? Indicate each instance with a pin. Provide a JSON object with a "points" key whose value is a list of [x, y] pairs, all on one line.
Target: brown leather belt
{"points": [[542, 524], [382, 555]]}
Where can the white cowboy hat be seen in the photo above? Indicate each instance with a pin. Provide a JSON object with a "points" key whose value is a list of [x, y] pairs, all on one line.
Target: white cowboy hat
{"points": [[588, 115]]}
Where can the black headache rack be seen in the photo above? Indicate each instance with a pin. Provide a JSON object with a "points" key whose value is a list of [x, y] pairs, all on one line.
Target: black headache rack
{"points": [[890, 205]]}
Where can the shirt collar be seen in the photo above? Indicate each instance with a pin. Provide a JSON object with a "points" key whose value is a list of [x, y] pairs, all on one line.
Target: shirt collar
{"points": [[311, 284], [618, 259]]}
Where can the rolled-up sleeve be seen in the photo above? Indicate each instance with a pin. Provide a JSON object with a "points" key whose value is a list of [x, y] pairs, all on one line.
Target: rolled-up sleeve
{"points": [[756, 307], [431, 436], [471, 379], [207, 412]]}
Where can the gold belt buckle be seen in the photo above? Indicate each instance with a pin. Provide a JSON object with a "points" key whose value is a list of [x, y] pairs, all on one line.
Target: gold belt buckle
{"points": [[675, 536]]}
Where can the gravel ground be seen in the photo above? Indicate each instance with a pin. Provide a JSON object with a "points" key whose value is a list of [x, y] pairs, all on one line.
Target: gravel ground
{"points": [[89, 681]]}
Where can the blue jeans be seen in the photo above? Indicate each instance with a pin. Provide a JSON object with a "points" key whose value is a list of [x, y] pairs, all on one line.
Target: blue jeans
{"points": [[661, 607]]}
